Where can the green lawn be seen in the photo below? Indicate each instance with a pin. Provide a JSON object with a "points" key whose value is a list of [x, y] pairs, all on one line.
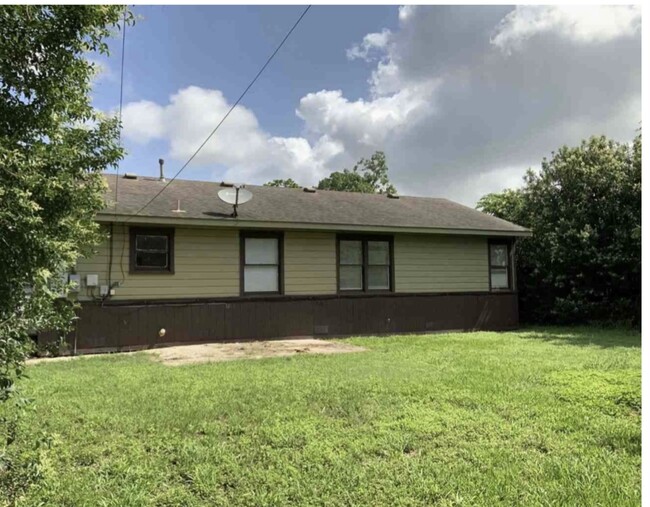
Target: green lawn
{"points": [[536, 417]]}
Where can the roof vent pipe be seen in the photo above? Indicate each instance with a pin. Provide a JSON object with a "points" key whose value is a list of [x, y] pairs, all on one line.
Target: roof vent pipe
{"points": [[162, 169]]}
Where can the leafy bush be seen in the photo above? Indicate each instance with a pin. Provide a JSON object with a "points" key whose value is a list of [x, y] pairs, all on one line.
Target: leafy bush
{"points": [[53, 149], [583, 263]]}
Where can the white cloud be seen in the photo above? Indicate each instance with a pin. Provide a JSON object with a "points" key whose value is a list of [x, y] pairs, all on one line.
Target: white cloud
{"points": [[362, 125], [454, 117], [143, 121], [372, 42], [579, 23], [405, 12], [240, 143]]}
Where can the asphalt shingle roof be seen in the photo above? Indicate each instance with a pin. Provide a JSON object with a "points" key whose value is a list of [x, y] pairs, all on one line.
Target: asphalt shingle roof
{"points": [[270, 204]]}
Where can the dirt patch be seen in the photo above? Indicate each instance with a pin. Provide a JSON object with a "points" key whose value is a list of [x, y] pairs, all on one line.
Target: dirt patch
{"points": [[216, 352], [213, 352]]}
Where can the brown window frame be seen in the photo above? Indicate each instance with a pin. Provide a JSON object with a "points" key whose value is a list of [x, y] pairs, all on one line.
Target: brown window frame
{"points": [[243, 235], [364, 238], [151, 231], [508, 245]]}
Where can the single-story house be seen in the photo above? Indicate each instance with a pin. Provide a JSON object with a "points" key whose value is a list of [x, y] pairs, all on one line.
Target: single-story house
{"points": [[293, 262]]}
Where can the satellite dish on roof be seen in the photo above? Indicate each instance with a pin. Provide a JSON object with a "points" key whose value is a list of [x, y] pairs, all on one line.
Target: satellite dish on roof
{"points": [[235, 196]]}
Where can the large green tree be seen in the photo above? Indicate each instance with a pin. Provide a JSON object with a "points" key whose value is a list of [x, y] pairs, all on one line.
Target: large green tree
{"points": [[368, 176], [288, 183], [583, 262], [53, 148]]}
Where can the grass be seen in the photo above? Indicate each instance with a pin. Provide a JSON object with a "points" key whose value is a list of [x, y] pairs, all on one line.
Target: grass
{"points": [[536, 417]]}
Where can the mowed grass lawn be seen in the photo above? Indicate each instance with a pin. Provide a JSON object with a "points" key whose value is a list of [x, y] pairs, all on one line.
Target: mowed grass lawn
{"points": [[534, 417]]}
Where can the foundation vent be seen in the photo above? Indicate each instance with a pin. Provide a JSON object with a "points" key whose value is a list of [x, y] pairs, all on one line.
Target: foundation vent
{"points": [[321, 329]]}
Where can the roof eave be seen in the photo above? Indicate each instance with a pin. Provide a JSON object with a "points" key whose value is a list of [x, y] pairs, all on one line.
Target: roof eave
{"points": [[305, 226]]}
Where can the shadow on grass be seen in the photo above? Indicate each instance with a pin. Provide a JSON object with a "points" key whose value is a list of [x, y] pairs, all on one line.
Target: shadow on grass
{"points": [[584, 336]]}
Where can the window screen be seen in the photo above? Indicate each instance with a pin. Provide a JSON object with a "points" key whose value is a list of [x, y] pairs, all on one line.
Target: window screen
{"points": [[364, 264], [261, 264], [378, 265], [499, 266], [152, 250], [351, 268]]}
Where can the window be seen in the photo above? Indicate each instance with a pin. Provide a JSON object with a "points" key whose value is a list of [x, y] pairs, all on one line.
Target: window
{"points": [[378, 265], [261, 263], [351, 265], [152, 250], [365, 264], [499, 266]]}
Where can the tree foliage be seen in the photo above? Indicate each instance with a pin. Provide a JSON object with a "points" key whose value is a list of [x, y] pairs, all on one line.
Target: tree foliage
{"points": [[368, 176], [53, 148], [583, 262], [288, 183]]}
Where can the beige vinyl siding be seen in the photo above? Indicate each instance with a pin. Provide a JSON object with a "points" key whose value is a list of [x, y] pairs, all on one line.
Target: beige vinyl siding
{"points": [[309, 263], [206, 264], [435, 263]]}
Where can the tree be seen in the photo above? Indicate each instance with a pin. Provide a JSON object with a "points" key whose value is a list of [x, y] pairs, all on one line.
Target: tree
{"points": [[368, 176], [288, 183], [53, 148], [583, 262]]}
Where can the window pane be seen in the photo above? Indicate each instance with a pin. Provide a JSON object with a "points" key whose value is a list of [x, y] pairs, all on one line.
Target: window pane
{"points": [[498, 255], [350, 277], [378, 277], [499, 278], [151, 243], [378, 253], [351, 252], [261, 251], [150, 260], [261, 279]]}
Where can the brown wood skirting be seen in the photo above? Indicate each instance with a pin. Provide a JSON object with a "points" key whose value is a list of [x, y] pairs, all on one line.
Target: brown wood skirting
{"points": [[136, 324], [293, 297]]}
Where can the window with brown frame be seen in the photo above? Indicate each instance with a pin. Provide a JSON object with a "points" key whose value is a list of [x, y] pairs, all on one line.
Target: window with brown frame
{"points": [[151, 250], [261, 263], [500, 277], [365, 263]]}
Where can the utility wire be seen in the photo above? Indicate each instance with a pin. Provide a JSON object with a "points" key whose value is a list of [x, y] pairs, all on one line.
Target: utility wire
{"points": [[226, 115], [119, 114], [117, 173]]}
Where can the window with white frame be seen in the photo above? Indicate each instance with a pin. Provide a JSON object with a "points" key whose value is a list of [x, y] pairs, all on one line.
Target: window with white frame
{"points": [[261, 263]]}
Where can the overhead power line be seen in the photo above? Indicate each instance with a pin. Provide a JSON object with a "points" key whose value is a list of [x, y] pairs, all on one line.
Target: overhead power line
{"points": [[226, 115], [119, 114], [117, 171]]}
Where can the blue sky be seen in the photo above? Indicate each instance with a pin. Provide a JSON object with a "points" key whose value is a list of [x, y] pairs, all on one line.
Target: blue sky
{"points": [[462, 99], [172, 47]]}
